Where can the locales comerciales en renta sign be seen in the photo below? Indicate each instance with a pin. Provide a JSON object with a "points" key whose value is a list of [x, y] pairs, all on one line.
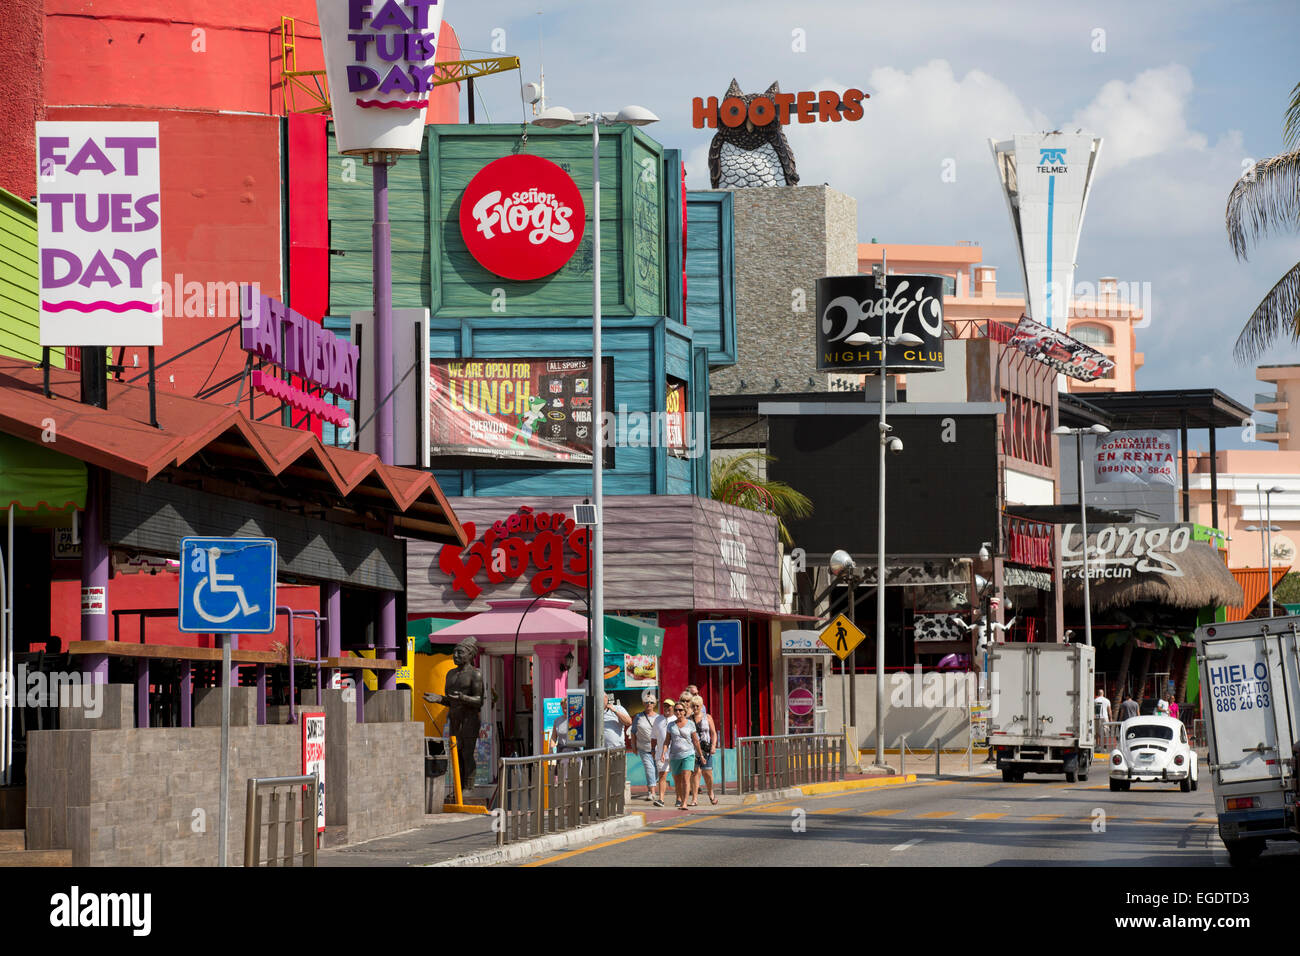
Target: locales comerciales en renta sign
{"points": [[807, 106]]}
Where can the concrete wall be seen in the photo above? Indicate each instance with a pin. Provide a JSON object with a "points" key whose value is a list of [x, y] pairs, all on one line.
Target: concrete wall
{"points": [[920, 725], [787, 238], [150, 797]]}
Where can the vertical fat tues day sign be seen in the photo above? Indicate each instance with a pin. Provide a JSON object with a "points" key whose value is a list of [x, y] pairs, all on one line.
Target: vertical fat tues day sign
{"points": [[379, 63], [100, 233]]}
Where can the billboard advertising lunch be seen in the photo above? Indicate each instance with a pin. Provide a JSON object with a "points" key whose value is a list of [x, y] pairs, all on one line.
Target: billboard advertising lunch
{"points": [[514, 410]]}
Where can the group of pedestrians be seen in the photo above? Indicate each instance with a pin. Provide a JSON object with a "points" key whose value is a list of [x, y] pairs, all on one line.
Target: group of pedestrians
{"points": [[680, 741]]}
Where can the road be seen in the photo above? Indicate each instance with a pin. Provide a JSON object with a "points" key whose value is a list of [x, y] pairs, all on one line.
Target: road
{"points": [[962, 821]]}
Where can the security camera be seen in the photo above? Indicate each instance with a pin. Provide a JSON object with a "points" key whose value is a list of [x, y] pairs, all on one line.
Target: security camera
{"points": [[896, 445], [885, 427]]}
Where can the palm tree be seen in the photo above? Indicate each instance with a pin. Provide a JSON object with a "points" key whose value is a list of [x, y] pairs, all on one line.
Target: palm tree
{"points": [[1267, 199], [736, 481]]}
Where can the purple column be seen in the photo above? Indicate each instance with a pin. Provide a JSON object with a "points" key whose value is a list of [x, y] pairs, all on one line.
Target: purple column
{"points": [[383, 289], [187, 694], [333, 604], [387, 680], [261, 694], [142, 692], [94, 564], [360, 690]]}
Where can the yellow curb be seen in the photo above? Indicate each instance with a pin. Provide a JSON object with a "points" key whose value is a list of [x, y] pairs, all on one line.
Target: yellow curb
{"points": [[843, 786]]}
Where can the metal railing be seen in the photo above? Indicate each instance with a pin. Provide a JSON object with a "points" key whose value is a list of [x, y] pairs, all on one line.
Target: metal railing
{"points": [[272, 807], [554, 792], [774, 763]]}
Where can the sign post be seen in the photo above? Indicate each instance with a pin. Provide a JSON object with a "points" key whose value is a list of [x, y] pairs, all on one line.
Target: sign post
{"points": [[842, 636], [718, 644], [227, 587]]}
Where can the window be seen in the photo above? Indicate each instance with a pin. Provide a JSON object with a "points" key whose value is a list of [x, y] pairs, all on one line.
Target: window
{"points": [[1093, 334], [949, 285], [1149, 732]]}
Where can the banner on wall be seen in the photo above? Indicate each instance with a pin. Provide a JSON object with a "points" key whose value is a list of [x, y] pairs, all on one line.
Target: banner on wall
{"points": [[631, 671], [100, 234], [513, 410], [1062, 352], [1136, 458], [379, 64]]}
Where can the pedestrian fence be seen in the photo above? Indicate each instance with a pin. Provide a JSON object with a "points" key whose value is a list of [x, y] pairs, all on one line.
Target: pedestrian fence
{"points": [[278, 808], [775, 763], [549, 793]]}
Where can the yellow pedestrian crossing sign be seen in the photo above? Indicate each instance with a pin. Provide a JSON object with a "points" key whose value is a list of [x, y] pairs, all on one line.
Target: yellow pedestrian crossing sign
{"points": [[841, 636]]}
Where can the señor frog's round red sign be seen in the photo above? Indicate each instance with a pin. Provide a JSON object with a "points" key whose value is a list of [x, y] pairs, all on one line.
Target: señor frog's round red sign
{"points": [[522, 217]]}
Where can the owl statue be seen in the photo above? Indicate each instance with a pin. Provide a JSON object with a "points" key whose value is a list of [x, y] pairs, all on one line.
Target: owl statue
{"points": [[749, 155]]}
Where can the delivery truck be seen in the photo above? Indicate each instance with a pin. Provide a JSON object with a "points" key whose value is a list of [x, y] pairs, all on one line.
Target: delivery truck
{"points": [[1041, 716], [1248, 672]]}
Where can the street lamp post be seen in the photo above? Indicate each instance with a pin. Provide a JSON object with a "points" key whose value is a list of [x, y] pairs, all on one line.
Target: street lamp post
{"points": [[1078, 434], [551, 118], [896, 446]]}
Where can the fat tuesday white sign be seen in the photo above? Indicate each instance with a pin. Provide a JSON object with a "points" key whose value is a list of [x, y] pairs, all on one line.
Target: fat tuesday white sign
{"points": [[1120, 551]]}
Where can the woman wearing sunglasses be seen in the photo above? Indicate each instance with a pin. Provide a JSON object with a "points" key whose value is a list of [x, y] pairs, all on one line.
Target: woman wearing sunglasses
{"points": [[707, 731], [681, 747]]}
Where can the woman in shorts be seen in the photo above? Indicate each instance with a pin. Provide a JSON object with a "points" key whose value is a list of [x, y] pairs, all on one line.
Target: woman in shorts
{"points": [[681, 747], [708, 734]]}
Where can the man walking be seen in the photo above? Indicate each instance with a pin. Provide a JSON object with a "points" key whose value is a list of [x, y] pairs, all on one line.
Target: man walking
{"points": [[1128, 708]]}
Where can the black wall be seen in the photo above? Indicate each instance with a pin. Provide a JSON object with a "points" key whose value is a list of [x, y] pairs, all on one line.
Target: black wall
{"points": [[940, 496]]}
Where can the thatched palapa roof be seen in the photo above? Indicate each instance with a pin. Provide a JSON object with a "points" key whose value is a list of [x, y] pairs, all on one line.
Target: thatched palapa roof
{"points": [[1205, 582]]}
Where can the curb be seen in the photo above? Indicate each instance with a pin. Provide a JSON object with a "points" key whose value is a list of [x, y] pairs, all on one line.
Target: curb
{"points": [[549, 843], [811, 789]]}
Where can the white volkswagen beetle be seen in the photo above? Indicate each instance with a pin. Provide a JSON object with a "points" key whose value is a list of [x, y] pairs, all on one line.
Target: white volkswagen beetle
{"points": [[1153, 749]]}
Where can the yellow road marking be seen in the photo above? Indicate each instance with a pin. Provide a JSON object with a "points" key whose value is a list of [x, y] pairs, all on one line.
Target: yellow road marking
{"points": [[831, 810], [880, 813], [987, 816], [587, 849], [935, 814], [1045, 816]]}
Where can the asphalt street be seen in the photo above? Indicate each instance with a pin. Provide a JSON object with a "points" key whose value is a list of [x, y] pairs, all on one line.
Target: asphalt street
{"points": [[967, 821]]}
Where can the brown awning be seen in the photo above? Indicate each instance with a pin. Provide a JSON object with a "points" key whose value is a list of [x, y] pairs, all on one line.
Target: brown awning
{"points": [[217, 440]]}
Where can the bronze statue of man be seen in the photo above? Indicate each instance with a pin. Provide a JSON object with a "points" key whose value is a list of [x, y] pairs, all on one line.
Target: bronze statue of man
{"points": [[463, 696]]}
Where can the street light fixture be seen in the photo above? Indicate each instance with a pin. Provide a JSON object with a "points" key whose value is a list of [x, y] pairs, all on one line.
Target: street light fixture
{"points": [[894, 445], [1078, 434], [1267, 540], [552, 118]]}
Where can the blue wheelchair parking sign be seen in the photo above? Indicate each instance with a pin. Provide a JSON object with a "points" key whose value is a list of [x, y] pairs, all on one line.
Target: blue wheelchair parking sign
{"points": [[718, 643], [228, 585]]}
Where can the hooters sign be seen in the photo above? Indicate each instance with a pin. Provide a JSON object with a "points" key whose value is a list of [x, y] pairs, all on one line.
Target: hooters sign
{"points": [[522, 217]]}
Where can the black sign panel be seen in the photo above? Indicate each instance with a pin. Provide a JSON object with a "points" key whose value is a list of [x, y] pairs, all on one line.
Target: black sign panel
{"points": [[940, 492], [850, 304]]}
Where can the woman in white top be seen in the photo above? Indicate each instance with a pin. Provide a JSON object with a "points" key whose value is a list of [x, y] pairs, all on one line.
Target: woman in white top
{"points": [[680, 750]]}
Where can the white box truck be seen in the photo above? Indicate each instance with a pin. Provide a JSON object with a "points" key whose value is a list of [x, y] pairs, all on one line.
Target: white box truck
{"points": [[1041, 718], [1249, 702]]}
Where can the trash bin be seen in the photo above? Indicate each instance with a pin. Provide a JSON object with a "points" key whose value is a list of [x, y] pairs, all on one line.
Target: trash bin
{"points": [[435, 774]]}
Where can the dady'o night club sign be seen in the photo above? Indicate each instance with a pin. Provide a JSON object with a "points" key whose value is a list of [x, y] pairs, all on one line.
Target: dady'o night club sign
{"points": [[278, 334], [850, 304], [379, 62], [100, 234], [515, 409], [522, 217]]}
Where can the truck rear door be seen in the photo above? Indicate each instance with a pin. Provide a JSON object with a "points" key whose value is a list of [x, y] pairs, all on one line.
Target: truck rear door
{"points": [[1247, 684]]}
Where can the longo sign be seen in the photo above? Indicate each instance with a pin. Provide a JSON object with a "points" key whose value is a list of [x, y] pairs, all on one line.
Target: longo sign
{"points": [[522, 217]]}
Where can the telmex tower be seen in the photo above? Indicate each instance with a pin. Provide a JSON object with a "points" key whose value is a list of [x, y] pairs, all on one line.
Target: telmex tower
{"points": [[1046, 178]]}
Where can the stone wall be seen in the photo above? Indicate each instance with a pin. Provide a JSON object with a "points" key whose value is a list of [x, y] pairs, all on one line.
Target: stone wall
{"points": [[787, 238], [150, 796]]}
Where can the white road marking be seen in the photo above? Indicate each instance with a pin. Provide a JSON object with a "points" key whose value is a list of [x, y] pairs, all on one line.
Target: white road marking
{"points": [[1043, 796], [907, 845]]}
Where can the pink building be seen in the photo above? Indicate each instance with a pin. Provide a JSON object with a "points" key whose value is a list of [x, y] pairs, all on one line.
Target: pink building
{"points": [[1100, 316], [1286, 391], [1244, 476]]}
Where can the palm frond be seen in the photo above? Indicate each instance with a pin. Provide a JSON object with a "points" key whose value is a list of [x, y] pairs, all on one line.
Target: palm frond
{"points": [[1265, 199], [735, 480], [1277, 314], [1291, 127]]}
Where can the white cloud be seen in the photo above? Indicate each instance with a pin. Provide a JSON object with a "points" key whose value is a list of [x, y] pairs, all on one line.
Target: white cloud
{"points": [[1143, 118]]}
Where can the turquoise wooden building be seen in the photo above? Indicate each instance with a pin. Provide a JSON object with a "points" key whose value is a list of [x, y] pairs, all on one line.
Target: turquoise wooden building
{"points": [[652, 340]]}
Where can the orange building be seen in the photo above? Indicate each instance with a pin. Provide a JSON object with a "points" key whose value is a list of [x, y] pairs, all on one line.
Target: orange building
{"points": [[1103, 316]]}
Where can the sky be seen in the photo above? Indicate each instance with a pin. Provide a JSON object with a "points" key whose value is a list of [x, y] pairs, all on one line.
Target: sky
{"points": [[1185, 96]]}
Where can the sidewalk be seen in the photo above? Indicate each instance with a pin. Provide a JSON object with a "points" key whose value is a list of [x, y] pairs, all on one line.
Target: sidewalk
{"points": [[459, 839]]}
